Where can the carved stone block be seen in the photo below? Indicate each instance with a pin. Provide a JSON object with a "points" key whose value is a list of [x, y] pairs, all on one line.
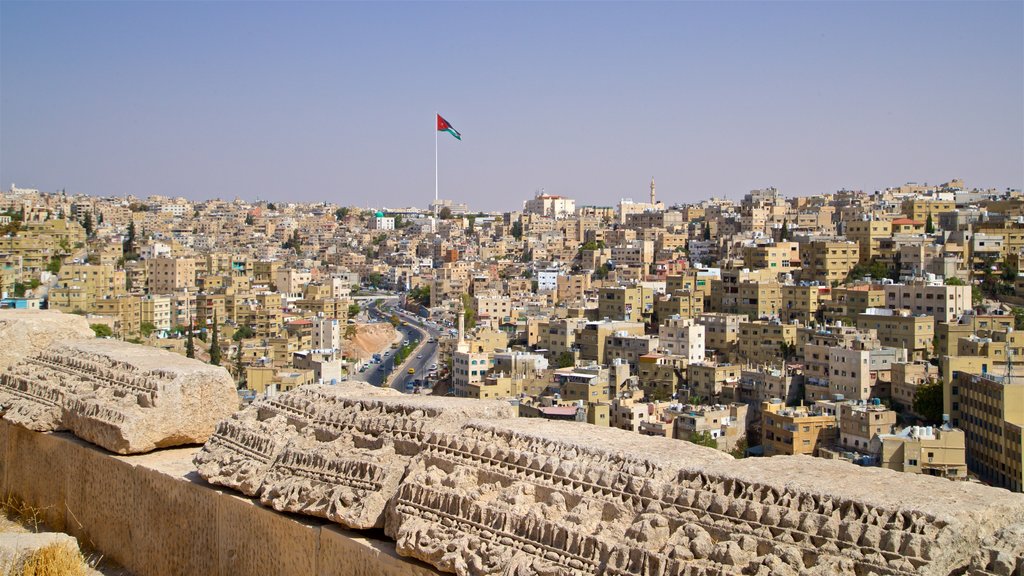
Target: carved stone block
{"points": [[336, 452], [522, 497], [124, 397]]}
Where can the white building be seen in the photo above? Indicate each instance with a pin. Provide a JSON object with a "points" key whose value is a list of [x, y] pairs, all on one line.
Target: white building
{"points": [[326, 333], [682, 337], [382, 222], [547, 280], [550, 205]]}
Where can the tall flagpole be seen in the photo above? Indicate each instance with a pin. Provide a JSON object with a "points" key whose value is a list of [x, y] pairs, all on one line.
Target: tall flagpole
{"points": [[435, 165]]}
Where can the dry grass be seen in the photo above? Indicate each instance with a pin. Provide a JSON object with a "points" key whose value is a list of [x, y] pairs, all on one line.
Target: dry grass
{"points": [[15, 509], [54, 560]]}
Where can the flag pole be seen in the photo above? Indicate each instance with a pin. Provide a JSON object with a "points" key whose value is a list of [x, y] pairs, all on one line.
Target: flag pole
{"points": [[435, 165]]}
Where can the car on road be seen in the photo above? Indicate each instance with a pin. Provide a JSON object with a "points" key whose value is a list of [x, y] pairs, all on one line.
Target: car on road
{"points": [[412, 370], [419, 356], [433, 366]]}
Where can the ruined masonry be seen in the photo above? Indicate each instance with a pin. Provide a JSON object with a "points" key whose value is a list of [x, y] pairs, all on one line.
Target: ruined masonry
{"points": [[333, 452], [124, 397], [463, 487]]}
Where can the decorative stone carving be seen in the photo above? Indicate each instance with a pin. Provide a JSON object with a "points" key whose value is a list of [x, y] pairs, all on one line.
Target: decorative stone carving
{"points": [[124, 397], [336, 452], [524, 497]]}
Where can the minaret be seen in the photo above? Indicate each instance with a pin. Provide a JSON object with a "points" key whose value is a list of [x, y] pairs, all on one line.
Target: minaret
{"points": [[652, 191]]}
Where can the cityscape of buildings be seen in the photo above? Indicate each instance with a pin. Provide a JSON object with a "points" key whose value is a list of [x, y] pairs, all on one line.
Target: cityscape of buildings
{"points": [[878, 328]]}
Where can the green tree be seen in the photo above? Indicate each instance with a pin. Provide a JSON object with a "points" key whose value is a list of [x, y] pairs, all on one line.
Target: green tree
{"points": [[468, 311], [784, 233], [270, 206], [87, 224], [704, 439], [147, 329], [101, 330], [928, 401], [190, 346], [214, 344], [517, 230], [128, 244], [740, 450], [341, 213], [249, 220], [243, 332], [353, 310], [53, 266], [472, 224], [239, 367], [445, 213], [954, 281], [707, 230], [564, 360], [929, 225]]}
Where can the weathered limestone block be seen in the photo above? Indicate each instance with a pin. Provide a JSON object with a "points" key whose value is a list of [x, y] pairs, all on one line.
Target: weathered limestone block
{"points": [[528, 497], [335, 452], [25, 333], [124, 397]]}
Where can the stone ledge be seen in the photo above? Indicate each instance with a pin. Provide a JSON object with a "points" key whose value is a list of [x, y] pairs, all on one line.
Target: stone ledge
{"points": [[153, 514]]}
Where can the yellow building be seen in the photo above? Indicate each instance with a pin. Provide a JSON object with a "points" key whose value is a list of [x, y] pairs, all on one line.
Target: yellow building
{"points": [[989, 407], [900, 329], [795, 430], [924, 450], [867, 234], [126, 310], [761, 341], [781, 256], [712, 381], [801, 303], [628, 303], [829, 261]]}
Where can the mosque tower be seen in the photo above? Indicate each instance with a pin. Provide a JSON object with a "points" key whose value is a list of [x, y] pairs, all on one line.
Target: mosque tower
{"points": [[653, 203]]}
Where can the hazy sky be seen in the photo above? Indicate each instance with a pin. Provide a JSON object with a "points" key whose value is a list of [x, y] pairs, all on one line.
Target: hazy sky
{"points": [[335, 101]]}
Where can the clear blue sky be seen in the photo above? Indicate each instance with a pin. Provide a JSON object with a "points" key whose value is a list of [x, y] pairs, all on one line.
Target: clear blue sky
{"points": [[335, 101]]}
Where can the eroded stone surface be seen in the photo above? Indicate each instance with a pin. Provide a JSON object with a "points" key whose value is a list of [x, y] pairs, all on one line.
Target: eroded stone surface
{"points": [[336, 452], [25, 333], [523, 497], [124, 397]]}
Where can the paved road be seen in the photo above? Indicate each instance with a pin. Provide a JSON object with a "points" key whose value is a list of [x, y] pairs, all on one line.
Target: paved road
{"points": [[420, 361]]}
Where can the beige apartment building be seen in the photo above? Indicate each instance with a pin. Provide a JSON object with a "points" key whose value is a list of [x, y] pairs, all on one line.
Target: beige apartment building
{"points": [[761, 341], [795, 430], [923, 450], [682, 303], [780, 256], [591, 339], [828, 261], [682, 337], [944, 303], [572, 287], [626, 303], [801, 302], [848, 301], [867, 234], [726, 423], [156, 310], [126, 310], [712, 380], [901, 329], [989, 408], [860, 422], [721, 331], [168, 275]]}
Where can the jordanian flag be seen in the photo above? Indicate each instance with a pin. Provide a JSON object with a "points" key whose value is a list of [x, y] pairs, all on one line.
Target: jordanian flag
{"points": [[444, 126]]}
